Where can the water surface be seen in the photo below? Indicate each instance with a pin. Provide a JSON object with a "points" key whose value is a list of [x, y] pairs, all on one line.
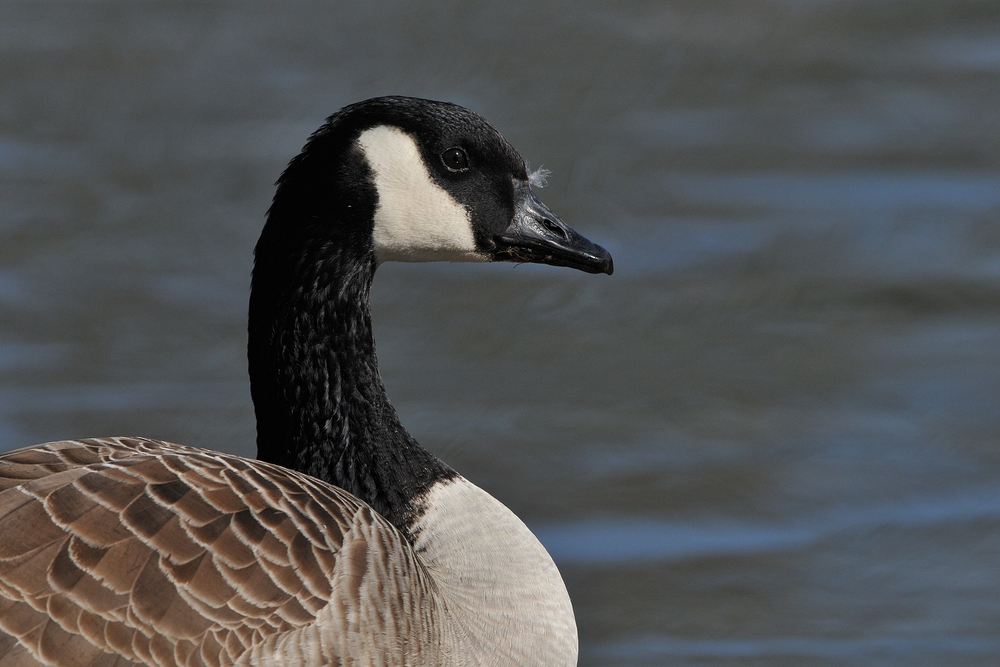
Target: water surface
{"points": [[771, 438]]}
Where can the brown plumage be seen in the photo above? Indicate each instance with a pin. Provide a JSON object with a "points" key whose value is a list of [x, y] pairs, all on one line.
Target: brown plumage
{"points": [[126, 551]]}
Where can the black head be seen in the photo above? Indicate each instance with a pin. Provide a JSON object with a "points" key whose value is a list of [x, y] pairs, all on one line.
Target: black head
{"points": [[431, 181]]}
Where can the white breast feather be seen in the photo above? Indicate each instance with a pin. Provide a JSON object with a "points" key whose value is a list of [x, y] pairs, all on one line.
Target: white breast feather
{"points": [[496, 579]]}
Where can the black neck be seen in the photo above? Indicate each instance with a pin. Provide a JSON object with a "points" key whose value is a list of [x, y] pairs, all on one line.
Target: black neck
{"points": [[320, 403]]}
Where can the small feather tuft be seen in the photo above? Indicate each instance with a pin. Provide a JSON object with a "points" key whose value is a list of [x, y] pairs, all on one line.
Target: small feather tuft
{"points": [[538, 178]]}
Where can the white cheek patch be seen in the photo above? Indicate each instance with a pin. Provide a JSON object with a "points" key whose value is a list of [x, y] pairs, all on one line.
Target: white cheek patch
{"points": [[416, 220]]}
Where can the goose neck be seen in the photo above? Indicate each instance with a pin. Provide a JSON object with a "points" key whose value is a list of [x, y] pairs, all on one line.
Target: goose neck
{"points": [[320, 402]]}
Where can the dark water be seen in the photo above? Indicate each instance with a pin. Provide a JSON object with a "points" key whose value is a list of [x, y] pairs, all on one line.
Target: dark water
{"points": [[771, 438]]}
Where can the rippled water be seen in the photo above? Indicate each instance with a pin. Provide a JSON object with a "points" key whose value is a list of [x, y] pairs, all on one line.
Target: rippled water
{"points": [[771, 438]]}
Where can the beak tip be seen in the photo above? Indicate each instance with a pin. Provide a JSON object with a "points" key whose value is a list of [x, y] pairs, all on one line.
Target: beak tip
{"points": [[605, 263]]}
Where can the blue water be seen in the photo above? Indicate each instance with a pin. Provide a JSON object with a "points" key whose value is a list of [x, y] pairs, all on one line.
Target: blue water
{"points": [[771, 438], [627, 540]]}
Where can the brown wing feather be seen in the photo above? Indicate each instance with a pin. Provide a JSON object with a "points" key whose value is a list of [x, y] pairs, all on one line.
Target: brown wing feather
{"points": [[128, 551]]}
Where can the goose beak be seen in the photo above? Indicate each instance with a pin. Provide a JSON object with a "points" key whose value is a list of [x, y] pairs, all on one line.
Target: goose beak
{"points": [[537, 235]]}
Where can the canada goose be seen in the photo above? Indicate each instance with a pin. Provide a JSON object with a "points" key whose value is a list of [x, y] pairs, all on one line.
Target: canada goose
{"points": [[345, 543]]}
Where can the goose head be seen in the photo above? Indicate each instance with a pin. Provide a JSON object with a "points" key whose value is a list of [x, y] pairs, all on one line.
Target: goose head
{"points": [[406, 179]]}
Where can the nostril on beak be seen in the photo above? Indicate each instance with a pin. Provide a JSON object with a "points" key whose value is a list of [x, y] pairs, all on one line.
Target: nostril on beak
{"points": [[554, 228]]}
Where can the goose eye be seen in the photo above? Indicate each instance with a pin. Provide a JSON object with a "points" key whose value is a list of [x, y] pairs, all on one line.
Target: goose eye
{"points": [[455, 159]]}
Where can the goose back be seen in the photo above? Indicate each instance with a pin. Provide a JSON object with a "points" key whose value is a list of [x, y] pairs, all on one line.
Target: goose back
{"points": [[213, 560]]}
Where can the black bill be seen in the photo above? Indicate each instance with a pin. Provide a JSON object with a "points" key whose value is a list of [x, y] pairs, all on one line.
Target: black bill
{"points": [[537, 235]]}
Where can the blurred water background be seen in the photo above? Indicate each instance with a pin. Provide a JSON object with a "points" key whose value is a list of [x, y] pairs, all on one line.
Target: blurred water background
{"points": [[771, 438]]}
